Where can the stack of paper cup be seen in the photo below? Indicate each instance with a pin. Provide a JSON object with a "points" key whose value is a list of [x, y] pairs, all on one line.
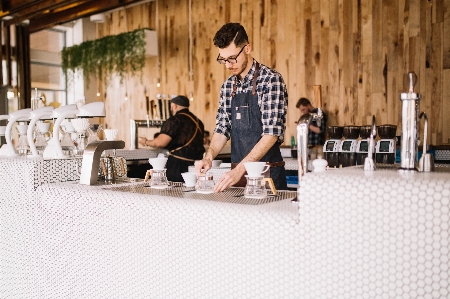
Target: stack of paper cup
{"points": [[110, 134]]}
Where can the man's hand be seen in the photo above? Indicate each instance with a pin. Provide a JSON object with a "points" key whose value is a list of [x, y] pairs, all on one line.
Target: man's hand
{"points": [[229, 178], [143, 140], [202, 166]]}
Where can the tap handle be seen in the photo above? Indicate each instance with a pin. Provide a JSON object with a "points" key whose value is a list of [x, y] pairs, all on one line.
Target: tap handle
{"points": [[319, 117], [412, 80], [318, 95]]}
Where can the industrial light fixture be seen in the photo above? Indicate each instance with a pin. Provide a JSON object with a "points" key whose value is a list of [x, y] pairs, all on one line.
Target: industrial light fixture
{"points": [[98, 18]]}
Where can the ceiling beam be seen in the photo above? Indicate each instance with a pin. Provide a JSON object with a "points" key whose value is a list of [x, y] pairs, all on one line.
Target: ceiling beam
{"points": [[27, 12], [74, 13]]}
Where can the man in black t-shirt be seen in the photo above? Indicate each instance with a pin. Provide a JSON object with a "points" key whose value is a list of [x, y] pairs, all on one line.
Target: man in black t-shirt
{"points": [[182, 136]]}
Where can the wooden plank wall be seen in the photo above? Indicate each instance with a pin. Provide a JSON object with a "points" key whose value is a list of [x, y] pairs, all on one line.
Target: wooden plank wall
{"points": [[358, 50]]}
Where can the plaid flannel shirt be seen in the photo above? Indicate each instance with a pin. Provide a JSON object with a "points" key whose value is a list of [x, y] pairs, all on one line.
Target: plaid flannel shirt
{"points": [[272, 100], [314, 138]]}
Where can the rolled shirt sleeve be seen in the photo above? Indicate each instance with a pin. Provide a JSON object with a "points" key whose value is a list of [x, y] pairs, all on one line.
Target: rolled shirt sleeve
{"points": [[273, 103]]}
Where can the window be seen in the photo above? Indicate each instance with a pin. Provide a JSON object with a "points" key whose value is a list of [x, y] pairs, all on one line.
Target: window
{"points": [[45, 66]]}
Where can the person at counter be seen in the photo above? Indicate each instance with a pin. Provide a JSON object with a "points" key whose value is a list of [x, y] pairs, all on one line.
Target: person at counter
{"points": [[182, 136], [252, 112], [316, 134]]}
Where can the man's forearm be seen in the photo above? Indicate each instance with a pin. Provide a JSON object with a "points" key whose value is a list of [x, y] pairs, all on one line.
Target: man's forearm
{"points": [[218, 141], [261, 148], [315, 129]]}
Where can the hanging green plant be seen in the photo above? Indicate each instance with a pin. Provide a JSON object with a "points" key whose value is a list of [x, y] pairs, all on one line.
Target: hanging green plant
{"points": [[115, 54]]}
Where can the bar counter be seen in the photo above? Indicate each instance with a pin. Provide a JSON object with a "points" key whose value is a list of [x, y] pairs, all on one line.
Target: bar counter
{"points": [[380, 234]]}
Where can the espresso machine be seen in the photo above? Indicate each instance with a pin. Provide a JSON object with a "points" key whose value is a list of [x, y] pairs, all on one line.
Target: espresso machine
{"points": [[386, 147], [347, 151], [362, 146], [332, 145]]}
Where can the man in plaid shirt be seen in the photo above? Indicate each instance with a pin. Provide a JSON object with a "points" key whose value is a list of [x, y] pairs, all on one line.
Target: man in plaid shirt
{"points": [[316, 134], [252, 111]]}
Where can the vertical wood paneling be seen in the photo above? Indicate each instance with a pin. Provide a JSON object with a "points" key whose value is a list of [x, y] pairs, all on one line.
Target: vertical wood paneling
{"points": [[446, 41], [358, 50]]}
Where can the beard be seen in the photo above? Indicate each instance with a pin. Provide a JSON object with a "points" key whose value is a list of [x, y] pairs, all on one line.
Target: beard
{"points": [[242, 68]]}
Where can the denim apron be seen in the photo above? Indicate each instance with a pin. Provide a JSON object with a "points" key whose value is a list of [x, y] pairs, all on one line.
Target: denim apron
{"points": [[247, 131]]}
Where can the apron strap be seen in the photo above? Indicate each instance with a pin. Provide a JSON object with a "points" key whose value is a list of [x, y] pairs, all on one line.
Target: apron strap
{"points": [[255, 77], [189, 142]]}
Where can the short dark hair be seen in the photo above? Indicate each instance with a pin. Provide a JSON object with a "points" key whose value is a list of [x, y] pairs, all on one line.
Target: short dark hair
{"points": [[303, 102], [228, 33]]}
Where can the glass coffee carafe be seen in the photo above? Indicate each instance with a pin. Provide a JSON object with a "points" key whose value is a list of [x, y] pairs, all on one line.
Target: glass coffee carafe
{"points": [[93, 132], [256, 187], [158, 179], [205, 184]]}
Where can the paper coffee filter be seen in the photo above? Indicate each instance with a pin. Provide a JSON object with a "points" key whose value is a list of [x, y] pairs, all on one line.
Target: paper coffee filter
{"points": [[80, 124], [43, 127]]}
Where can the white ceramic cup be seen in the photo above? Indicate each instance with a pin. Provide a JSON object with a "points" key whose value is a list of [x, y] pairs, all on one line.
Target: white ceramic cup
{"points": [[255, 169], [110, 134], [158, 163], [190, 178], [216, 163]]}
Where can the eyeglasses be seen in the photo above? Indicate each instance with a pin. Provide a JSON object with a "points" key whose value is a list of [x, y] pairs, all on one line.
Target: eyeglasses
{"points": [[231, 60]]}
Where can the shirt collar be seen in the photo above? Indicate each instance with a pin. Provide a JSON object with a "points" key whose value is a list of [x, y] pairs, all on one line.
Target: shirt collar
{"points": [[250, 74]]}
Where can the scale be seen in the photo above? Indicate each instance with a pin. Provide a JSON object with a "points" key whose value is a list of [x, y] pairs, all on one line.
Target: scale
{"points": [[385, 151], [331, 151], [347, 152], [362, 149]]}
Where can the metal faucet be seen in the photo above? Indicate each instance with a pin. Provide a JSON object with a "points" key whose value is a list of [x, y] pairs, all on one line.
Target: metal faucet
{"points": [[302, 139], [368, 162], [135, 124], [91, 159], [410, 114]]}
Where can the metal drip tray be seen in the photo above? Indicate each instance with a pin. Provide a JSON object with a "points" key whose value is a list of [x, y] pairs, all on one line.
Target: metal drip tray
{"points": [[231, 195], [118, 181]]}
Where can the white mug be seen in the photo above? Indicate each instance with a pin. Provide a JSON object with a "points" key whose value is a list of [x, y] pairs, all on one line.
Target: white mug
{"points": [[255, 169]]}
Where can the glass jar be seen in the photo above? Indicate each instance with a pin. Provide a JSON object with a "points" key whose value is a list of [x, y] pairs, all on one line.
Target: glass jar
{"points": [[158, 179], [255, 187], [205, 184]]}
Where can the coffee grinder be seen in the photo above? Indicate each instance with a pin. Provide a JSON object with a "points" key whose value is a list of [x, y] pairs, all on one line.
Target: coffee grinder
{"points": [[385, 148], [332, 145], [362, 146], [347, 151]]}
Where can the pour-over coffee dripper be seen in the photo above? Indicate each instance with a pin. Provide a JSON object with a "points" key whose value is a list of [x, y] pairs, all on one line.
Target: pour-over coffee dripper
{"points": [[256, 182], [158, 179], [93, 131], [158, 163]]}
